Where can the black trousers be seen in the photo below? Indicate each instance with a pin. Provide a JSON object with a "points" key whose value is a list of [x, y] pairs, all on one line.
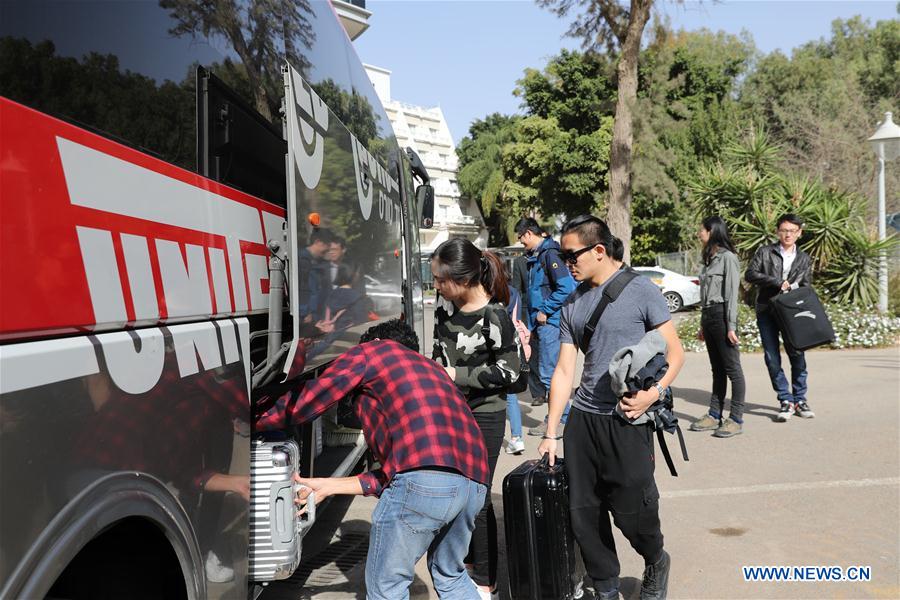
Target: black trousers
{"points": [[610, 465], [483, 547], [725, 361]]}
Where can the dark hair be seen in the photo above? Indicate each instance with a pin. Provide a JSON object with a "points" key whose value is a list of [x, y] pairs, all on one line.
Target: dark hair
{"points": [[460, 261], [528, 224], [347, 274], [594, 232], [320, 235], [617, 252], [718, 237], [395, 329], [789, 218], [336, 239]]}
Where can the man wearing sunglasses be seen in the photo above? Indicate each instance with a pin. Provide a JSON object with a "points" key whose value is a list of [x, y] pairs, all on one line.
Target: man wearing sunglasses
{"points": [[549, 284], [777, 268], [610, 462]]}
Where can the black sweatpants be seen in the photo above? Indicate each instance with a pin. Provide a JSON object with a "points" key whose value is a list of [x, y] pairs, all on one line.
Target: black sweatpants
{"points": [[610, 465], [725, 361]]}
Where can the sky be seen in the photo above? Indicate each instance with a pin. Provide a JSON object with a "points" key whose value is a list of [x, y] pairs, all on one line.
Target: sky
{"points": [[465, 55]]}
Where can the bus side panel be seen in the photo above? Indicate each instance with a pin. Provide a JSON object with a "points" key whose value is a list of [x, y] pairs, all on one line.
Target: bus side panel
{"points": [[123, 237], [170, 402]]}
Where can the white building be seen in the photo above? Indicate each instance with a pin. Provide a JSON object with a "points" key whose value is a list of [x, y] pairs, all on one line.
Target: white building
{"points": [[425, 131], [353, 15]]}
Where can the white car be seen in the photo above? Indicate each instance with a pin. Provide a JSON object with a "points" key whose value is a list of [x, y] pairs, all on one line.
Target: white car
{"points": [[680, 291]]}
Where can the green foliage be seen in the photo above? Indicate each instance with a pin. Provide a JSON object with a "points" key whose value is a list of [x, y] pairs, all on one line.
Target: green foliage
{"points": [[558, 160], [685, 116], [853, 328], [751, 193], [826, 98], [553, 171], [481, 175]]}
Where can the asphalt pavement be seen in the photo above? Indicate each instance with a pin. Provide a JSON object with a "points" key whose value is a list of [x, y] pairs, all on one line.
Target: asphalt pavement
{"points": [[809, 492]]}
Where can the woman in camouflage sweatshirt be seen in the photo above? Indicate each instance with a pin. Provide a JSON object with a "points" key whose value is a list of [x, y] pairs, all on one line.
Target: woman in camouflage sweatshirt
{"points": [[473, 292]]}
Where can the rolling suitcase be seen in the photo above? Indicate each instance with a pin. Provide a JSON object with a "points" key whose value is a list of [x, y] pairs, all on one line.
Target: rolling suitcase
{"points": [[540, 547], [802, 318], [275, 528]]}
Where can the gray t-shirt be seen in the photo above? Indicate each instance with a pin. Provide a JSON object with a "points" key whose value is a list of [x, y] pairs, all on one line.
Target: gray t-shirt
{"points": [[638, 309]]}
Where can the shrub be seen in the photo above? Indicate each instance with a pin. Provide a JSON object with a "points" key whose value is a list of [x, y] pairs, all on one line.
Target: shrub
{"points": [[853, 328]]}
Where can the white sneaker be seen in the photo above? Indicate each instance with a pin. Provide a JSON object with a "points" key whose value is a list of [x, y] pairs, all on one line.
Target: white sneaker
{"points": [[483, 595], [787, 409], [216, 572], [515, 445]]}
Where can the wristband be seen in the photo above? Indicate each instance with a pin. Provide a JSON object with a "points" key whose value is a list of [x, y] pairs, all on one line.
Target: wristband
{"points": [[549, 437]]}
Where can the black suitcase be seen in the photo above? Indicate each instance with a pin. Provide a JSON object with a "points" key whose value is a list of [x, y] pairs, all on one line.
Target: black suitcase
{"points": [[544, 563], [802, 318]]}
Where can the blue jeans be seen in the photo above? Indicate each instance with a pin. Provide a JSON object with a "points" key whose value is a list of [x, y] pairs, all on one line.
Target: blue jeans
{"points": [[544, 356], [423, 511], [768, 334], [514, 414]]}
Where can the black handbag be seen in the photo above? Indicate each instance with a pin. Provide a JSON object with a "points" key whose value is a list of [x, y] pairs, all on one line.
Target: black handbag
{"points": [[802, 318]]}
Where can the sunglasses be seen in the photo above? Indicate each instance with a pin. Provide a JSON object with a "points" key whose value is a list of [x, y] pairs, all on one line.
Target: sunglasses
{"points": [[571, 256]]}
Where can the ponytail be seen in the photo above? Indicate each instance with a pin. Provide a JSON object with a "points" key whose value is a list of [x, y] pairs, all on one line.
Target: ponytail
{"points": [[493, 277], [460, 261]]}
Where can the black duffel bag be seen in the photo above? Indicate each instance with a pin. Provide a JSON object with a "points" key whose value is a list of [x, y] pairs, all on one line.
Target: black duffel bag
{"points": [[802, 318]]}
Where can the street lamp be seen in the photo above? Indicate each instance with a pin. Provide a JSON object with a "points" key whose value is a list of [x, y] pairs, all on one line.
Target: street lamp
{"points": [[886, 144]]}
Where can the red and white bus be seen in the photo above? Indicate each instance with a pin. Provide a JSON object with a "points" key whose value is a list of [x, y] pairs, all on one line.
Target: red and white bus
{"points": [[192, 196]]}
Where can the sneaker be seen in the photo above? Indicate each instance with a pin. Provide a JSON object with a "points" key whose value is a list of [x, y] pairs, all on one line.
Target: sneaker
{"points": [[515, 445], [542, 430], [785, 413], [216, 572], [539, 400], [655, 584], [728, 428], [803, 410], [539, 430], [483, 595], [706, 423], [607, 595]]}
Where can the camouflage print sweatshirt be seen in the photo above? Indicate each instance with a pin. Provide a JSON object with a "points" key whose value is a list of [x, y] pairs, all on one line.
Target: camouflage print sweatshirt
{"points": [[482, 373]]}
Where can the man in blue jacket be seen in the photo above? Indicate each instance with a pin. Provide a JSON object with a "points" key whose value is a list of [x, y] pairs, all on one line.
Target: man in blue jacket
{"points": [[549, 284]]}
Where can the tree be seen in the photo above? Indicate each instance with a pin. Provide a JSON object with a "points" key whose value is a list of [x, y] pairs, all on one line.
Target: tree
{"points": [[685, 115], [558, 161], [827, 97], [481, 173], [261, 32], [609, 24]]}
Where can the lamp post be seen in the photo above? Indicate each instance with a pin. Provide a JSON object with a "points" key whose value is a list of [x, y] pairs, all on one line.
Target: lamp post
{"points": [[886, 144]]}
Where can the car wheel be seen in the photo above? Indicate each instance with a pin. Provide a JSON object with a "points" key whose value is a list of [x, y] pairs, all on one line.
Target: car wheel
{"points": [[673, 301]]}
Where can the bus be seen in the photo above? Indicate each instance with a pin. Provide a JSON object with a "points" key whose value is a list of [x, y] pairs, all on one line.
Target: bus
{"points": [[198, 201]]}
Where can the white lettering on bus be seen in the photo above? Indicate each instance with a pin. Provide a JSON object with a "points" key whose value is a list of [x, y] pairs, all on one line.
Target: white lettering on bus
{"points": [[133, 191]]}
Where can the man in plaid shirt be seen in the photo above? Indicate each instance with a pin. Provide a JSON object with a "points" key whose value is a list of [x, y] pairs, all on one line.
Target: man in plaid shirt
{"points": [[431, 483]]}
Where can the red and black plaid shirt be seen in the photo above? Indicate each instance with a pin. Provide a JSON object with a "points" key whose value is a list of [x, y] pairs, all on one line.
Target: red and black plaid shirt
{"points": [[412, 414]]}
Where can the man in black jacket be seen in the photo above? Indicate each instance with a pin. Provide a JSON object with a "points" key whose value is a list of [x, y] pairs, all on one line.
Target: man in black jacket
{"points": [[777, 268]]}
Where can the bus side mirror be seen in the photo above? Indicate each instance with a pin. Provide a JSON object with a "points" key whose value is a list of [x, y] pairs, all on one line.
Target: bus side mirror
{"points": [[425, 200]]}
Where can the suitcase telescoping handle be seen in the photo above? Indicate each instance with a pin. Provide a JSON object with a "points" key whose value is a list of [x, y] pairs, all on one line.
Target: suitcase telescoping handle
{"points": [[310, 514]]}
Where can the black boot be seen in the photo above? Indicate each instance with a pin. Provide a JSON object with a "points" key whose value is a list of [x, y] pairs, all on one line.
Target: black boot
{"points": [[540, 399], [655, 585]]}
